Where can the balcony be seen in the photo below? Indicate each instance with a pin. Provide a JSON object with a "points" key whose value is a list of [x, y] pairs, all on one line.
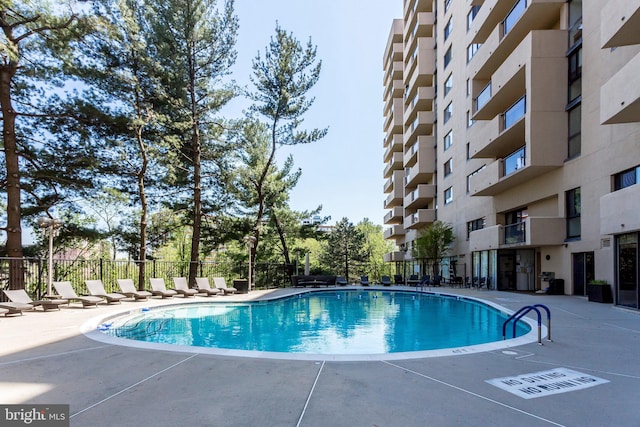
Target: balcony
{"points": [[500, 13], [393, 120], [395, 198], [394, 231], [619, 23], [421, 172], [528, 162], [392, 144], [394, 216], [420, 63], [532, 232], [498, 46], [421, 27], [419, 100], [394, 72], [420, 197], [423, 148], [421, 125], [416, 6], [396, 256], [495, 139], [420, 219], [393, 91], [619, 211], [620, 96], [394, 165]]}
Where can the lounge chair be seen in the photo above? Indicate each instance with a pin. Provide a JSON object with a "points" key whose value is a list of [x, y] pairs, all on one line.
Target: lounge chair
{"points": [[15, 307], [385, 280], [20, 296], [96, 288], [413, 280], [398, 279], [182, 287], [4, 311], [364, 280], [65, 290], [129, 289], [205, 288], [341, 281], [220, 283], [158, 288]]}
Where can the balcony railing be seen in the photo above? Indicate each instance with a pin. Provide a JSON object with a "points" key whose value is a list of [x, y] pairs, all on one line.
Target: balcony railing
{"points": [[514, 161], [513, 16], [515, 233], [483, 97], [514, 113]]}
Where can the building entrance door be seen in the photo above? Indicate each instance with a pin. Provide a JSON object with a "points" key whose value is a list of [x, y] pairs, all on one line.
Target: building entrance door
{"points": [[583, 272]]}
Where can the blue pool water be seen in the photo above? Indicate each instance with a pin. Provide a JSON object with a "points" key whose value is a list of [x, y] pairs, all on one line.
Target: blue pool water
{"points": [[325, 322]]}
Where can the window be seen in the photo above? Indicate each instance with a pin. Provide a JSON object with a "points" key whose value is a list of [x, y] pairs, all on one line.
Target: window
{"points": [[448, 195], [470, 121], [448, 112], [448, 140], [626, 178], [573, 213], [483, 97], [468, 150], [515, 112], [472, 15], [477, 171], [513, 16], [575, 73], [447, 57], [476, 224], [468, 87], [472, 49], [514, 161], [515, 230], [448, 84], [448, 167], [575, 127], [447, 3], [447, 29], [575, 21]]}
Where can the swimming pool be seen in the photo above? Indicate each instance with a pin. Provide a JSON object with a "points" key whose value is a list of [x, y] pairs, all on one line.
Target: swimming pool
{"points": [[322, 323]]}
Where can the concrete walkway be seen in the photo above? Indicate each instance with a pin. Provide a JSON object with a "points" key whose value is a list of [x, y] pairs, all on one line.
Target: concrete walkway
{"points": [[46, 359]]}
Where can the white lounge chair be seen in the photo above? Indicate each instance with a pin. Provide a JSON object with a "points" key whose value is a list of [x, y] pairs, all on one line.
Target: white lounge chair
{"points": [[182, 287], [96, 288], [205, 288], [65, 290], [221, 284], [129, 289], [20, 297], [158, 288]]}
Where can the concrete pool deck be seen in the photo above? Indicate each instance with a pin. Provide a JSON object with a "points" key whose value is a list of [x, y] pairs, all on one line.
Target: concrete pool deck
{"points": [[46, 359]]}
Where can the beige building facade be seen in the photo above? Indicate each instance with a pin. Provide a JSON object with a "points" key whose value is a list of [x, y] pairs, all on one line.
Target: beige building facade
{"points": [[517, 122]]}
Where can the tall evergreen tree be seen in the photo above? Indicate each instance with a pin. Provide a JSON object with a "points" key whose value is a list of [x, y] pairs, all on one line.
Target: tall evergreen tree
{"points": [[35, 41], [282, 80], [194, 44], [345, 248]]}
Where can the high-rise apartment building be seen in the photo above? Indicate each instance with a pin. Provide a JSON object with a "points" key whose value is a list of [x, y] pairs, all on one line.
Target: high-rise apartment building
{"points": [[517, 122]]}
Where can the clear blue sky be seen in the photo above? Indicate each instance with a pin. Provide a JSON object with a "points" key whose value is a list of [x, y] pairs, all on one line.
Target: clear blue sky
{"points": [[342, 172]]}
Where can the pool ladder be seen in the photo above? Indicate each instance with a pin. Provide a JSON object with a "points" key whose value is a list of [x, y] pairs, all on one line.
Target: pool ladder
{"points": [[523, 312]]}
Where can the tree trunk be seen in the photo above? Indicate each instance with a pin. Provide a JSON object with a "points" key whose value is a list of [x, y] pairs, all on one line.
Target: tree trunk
{"points": [[283, 240], [142, 257], [14, 214]]}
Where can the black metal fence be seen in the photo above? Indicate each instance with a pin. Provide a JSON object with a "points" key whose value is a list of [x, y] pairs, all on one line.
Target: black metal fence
{"points": [[77, 271]]}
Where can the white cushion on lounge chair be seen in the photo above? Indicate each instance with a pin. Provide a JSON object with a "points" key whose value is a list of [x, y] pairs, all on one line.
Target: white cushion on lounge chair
{"points": [[158, 288], [129, 289], [220, 283], [65, 290], [204, 287], [182, 287], [20, 296], [96, 288]]}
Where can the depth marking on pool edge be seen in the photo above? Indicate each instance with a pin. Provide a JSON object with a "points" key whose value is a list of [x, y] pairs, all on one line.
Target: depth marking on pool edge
{"points": [[475, 394], [546, 383]]}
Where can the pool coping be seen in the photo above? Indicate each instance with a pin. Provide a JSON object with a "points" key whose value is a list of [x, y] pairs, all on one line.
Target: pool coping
{"points": [[91, 330]]}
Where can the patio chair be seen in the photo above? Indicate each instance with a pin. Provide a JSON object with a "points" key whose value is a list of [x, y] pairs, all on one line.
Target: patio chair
{"points": [[96, 288], [20, 296], [425, 281], [220, 283], [364, 280], [182, 287], [205, 288], [5, 311], [413, 280], [158, 288], [341, 281], [398, 279], [385, 280], [129, 289], [65, 290]]}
